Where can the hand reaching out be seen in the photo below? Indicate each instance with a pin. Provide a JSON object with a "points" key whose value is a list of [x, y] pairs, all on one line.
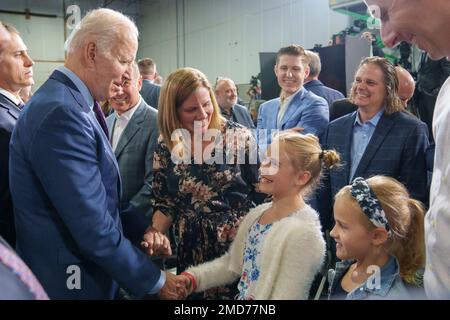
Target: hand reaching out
{"points": [[156, 243], [173, 289], [184, 283]]}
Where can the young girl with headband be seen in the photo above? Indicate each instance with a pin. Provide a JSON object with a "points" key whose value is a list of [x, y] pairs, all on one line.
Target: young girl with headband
{"points": [[379, 235]]}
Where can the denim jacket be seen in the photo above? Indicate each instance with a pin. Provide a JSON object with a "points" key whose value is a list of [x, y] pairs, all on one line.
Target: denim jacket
{"points": [[390, 287]]}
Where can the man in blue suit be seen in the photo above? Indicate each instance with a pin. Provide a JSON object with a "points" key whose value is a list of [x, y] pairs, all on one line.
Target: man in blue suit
{"points": [[64, 177], [380, 138], [150, 90], [296, 107], [16, 73], [227, 98], [313, 84], [134, 133]]}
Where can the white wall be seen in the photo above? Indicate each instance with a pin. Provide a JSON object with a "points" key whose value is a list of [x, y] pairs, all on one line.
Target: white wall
{"points": [[220, 37], [224, 37], [45, 36]]}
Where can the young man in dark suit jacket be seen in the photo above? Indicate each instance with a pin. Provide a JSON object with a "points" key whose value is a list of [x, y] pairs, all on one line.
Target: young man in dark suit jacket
{"points": [[313, 84], [149, 91], [16, 73]]}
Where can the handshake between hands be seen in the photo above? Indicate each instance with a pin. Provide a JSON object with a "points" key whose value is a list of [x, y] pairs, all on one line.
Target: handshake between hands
{"points": [[177, 287]]}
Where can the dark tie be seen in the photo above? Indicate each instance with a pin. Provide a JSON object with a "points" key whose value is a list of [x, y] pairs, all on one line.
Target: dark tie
{"points": [[21, 105], [22, 272], [100, 118]]}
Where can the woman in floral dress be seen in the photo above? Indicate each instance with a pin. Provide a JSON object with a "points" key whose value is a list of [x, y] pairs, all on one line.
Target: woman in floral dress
{"points": [[202, 187]]}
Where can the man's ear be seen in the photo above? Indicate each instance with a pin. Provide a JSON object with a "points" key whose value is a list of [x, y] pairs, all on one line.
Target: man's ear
{"points": [[90, 53], [307, 71], [379, 236]]}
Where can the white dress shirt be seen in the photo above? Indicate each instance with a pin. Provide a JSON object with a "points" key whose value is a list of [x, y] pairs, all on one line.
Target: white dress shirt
{"points": [[437, 219], [283, 107], [121, 123], [11, 97]]}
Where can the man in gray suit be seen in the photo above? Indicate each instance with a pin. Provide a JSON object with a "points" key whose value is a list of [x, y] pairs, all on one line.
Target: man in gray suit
{"points": [[226, 95], [150, 91], [133, 135]]}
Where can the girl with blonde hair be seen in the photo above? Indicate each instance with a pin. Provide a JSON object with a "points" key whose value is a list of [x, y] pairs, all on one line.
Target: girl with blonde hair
{"points": [[279, 246], [379, 235]]}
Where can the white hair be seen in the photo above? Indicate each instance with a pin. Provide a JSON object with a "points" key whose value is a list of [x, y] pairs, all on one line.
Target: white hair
{"points": [[219, 80], [103, 25]]}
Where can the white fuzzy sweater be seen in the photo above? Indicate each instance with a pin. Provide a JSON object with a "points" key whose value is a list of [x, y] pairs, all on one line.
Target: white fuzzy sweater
{"points": [[293, 252]]}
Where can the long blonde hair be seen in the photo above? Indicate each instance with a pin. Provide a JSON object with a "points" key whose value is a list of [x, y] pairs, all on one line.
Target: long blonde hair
{"points": [[179, 85], [406, 219]]}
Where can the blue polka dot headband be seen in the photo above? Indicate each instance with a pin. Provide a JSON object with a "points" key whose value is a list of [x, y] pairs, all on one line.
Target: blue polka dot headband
{"points": [[369, 203]]}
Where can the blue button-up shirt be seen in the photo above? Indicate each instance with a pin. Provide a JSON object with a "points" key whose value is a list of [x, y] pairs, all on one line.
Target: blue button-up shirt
{"points": [[90, 102], [79, 84], [362, 133]]}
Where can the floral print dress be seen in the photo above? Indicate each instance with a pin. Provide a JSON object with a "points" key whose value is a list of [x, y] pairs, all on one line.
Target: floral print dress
{"points": [[206, 202], [251, 264]]}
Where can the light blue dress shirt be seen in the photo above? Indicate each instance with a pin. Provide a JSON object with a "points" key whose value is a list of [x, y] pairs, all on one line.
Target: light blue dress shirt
{"points": [[90, 102], [362, 133]]}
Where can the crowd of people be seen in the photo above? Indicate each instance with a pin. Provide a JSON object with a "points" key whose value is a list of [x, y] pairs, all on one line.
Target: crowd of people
{"points": [[92, 197]]}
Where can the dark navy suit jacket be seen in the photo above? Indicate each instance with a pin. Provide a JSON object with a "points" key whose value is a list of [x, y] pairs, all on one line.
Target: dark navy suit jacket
{"points": [[397, 149], [150, 93], [341, 107], [321, 90], [9, 113], [65, 186]]}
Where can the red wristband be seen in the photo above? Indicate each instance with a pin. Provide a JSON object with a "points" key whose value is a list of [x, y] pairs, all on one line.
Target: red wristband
{"points": [[192, 278]]}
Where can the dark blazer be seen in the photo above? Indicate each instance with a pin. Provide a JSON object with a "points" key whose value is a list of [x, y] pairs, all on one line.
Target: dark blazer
{"points": [[340, 108], [306, 110], [397, 149], [239, 114], [9, 113], [321, 90], [150, 93], [134, 153], [65, 186]]}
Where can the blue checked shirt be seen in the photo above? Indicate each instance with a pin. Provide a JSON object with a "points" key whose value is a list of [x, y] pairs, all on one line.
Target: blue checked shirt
{"points": [[362, 133]]}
